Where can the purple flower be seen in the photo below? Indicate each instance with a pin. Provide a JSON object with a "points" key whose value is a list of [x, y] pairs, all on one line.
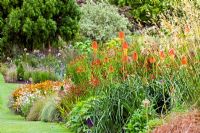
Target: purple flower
{"points": [[89, 122]]}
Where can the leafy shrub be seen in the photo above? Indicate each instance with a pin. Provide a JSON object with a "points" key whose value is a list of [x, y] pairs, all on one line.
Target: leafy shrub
{"points": [[81, 113], [39, 24], [100, 20], [139, 120], [35, 110], [146, 11]]}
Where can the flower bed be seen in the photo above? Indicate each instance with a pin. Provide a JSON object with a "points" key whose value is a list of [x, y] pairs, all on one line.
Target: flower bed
{"points": [[27, 94]]}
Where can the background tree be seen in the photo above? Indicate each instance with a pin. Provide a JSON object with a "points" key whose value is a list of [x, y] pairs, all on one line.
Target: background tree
{"points": [[38, 23]]}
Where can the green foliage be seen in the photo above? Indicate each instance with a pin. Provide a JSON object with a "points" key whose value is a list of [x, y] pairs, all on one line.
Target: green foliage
{"points": [[79, 115], [83, 47], [100, 21], [38, 23], [139, 120], [40, 76], [146, 11], [66, 104], [25, 108], [110, 111], [20, 72], [3, 69], [35, 111], [154, 123], [50, 111]]}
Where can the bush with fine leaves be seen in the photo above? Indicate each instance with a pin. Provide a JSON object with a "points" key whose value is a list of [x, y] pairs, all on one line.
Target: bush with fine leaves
{"points": [[101, 21]]}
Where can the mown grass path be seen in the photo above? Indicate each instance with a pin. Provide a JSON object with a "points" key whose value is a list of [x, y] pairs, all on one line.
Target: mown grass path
{"points": [[11, 123]]}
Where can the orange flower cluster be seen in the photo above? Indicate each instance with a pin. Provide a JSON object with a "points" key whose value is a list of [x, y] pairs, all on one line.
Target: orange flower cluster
{"points": [[44, 86], [107, 64]]}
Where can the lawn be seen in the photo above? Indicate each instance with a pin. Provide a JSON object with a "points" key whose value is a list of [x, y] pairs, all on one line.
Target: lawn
{"points": [[11, 123]]}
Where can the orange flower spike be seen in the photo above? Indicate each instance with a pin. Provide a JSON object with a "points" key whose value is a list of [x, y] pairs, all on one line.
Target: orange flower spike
{"points": [[135, 56], [121, 35], [172, 52], [94, 46], [152, 60], [125, 58], [184, 60], [125, 48], [125, 45], [162, 55]]}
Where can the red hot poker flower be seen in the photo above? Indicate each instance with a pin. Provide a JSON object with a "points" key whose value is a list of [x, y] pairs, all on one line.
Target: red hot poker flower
{"points": [[121, 35], [162, 55], [125, 45], [135, 56], [94, 45], [184, 60], [152, 60], [172, 52], [125, 58]]}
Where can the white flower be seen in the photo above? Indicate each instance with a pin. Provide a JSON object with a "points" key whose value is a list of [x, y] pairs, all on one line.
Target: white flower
{"points": [[8, 58], [146, 103]]}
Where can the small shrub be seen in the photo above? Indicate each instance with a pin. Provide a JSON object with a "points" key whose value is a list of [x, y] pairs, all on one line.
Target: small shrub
{"points": [[100, 20], [81, 113]]}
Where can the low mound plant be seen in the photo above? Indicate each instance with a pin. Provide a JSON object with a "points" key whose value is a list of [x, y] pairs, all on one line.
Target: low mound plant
{"points": [[23, 98]]}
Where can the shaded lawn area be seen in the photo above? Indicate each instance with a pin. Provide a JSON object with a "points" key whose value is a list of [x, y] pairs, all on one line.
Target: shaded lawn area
{"points": [[11, 123]]}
